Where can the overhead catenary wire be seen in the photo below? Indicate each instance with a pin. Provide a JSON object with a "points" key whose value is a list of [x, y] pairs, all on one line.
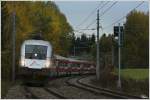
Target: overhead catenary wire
{"points": [[90, 14], [79, 31], [87, 29], [123, 16], [104, 5], [107, 11], [119, 18], [102, 13], [93, 21], [108, 8]]}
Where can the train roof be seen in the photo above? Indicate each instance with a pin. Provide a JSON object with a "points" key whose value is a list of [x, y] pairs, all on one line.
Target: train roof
{"points": [[58, 57], [37, 42]]}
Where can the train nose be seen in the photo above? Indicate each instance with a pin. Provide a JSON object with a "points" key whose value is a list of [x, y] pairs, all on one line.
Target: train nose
{"points": [[35, 64]]}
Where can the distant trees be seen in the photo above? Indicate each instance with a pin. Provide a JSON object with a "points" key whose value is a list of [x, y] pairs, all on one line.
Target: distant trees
{"points": [[105, 44], [136, 46], [83, 44]]}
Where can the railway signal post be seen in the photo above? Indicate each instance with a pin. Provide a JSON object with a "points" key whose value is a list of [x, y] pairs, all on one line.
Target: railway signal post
{"points": [[119, 58], [118, 32], [97, 62]]}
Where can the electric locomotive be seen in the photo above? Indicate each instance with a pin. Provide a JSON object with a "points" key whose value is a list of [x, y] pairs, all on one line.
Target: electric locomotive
{"points": [[36, 59]]}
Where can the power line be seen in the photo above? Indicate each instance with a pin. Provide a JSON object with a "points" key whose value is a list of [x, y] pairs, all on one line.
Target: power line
{"points": [[90, 14], [87, 29], [108, 8], [79, 31], [104, 5], [124, 15], [100, 15], [95, 20]]}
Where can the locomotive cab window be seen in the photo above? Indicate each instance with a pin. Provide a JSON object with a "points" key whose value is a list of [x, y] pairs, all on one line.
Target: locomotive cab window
{"points": [[35, 52]]}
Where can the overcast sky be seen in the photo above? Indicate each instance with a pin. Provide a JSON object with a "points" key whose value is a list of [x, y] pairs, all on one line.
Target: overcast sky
{"points": [[77, 11]]}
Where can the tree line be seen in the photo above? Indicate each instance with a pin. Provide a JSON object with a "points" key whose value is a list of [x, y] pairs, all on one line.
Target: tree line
{"points": [[136, 39], [31, 18], [82, 45]]}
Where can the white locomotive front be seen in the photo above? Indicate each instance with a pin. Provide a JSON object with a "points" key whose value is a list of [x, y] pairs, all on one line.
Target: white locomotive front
{"points": [[36, 58]]}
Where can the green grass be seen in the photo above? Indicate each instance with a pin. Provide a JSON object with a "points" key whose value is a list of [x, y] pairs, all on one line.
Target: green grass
{"points": [[137, 74]]}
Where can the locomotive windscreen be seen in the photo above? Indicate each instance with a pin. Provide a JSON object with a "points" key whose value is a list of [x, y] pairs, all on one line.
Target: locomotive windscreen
{"points": [[35, 52]]}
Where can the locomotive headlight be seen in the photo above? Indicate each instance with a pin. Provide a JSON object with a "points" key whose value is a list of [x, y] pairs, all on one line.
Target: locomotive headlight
{"points": [[48, 63], [22, 62]]}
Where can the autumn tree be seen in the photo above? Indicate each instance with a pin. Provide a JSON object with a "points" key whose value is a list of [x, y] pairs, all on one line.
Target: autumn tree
{"points": [[31, 18], [136, 47]]}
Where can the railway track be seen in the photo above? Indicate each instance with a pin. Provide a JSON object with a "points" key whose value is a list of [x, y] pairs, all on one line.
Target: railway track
{"points": [[72, 87], [59, 95], [29, 94], [77, 83], [115, 93], [70, 92], [47, 93]]}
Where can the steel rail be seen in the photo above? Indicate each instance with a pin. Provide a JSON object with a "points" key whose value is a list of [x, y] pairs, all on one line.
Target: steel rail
{"points": [[115, 93], [60, 96], [29, 94], [102, 91]]}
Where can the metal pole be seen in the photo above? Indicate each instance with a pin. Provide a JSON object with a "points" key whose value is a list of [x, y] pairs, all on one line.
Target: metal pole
{"points": [[112, 51], [119, 58], [13, 41], [97, 62]]}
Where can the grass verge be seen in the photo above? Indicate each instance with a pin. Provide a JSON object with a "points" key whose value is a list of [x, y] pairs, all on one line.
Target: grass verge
{"points": [[135, 74], [133, 81]]}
